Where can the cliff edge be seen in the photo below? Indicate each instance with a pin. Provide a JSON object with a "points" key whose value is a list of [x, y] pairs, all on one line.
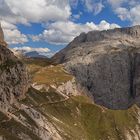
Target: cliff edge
{"points": [[106, 64], [13, 75]]}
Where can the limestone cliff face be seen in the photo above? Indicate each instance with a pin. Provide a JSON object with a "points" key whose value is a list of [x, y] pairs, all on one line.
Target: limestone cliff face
{"points": [[13, 75], [106, 64], [1, 34], [2, 42], [18, 120], [14, 84]]}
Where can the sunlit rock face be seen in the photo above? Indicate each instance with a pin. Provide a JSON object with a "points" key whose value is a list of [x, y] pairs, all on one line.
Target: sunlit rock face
{"points": [[14, 85], [1, 34], [106, 64], [14, 81], [2, 42]]}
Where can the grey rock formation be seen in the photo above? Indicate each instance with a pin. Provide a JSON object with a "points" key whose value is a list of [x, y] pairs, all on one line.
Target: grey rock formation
{"points": [[14, 84], [13, 77], [2, 42], [106, 64], [1, 34], [14, 80]]}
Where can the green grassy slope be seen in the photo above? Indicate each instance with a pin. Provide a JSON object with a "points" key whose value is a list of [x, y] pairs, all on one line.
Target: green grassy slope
{"points": [[78, 118], [43, 71], [75, 118], [10, 129]]}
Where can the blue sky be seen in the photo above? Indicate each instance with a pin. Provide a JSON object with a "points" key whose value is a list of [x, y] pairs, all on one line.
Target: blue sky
{"points": [[52, 24]]}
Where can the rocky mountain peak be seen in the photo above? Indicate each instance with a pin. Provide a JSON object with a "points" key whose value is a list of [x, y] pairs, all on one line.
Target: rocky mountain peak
{"points": [[106, 64], [14, 80], [2, 42], [118, 33], [1, 34]]}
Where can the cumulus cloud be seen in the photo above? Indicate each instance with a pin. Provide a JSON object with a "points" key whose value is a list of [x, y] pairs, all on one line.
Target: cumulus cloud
{"points": [[116, 3], [135, 14], [123, 13], [12, 34], [77, 16], [64, 32], [94, 6], [13, 12], [127, 10], [74, 3], [26, 11]]}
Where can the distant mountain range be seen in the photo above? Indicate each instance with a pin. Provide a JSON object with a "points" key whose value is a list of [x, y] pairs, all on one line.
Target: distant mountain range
{"points": [[30, 54], [34, 54]]}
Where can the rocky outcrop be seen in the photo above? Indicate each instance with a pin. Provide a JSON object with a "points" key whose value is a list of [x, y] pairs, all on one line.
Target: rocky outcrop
{"points": [[14, 80], [106, 64], [18, 120], [2, 42], [128, 35], [68, 89], [1, 34]]}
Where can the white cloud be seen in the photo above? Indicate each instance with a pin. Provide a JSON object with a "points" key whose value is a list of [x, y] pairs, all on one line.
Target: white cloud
{"points": [[64, 32], [105, 25], [117, 3], [123, 13], [12, 34], [77, 16], [74, 3], [123, 3], [94, 6], [135, 15], [7, 25], [127, 10], [26, 11]]}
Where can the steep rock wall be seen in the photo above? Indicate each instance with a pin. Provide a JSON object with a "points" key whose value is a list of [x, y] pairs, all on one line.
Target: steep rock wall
{"points": [[106, 64], [14, 80]]}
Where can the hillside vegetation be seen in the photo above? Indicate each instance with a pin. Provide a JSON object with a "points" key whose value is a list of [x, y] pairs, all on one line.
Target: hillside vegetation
{"points": [[73, 118], [43, 71], [56, 112], [77, 117]]}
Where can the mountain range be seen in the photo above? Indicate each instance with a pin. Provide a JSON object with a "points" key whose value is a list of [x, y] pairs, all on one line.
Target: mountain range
{"points": [[106, 65], [87, 91], [30, 54]]}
